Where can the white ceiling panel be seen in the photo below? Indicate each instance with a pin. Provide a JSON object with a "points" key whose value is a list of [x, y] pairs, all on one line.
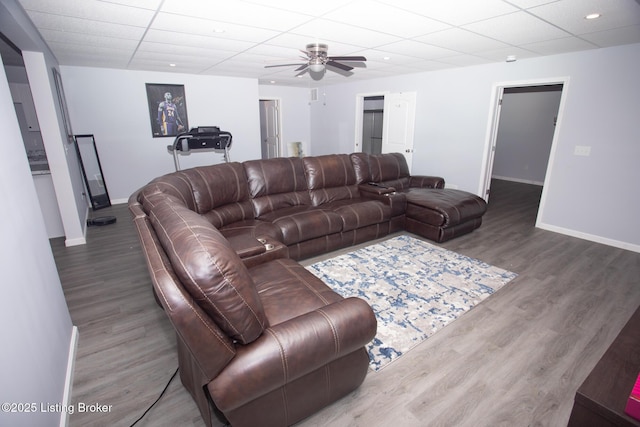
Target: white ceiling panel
{"points": [[615, 37], [237, 11], [517, 28], [375, 16], [62, 37], [323, 29], [570, 14], [94, 10], [208, 27], [461, 40], [553, 47], [456, 12], [418, 49], [312, 8], [191, 40], [240, 37], [78, 26]]}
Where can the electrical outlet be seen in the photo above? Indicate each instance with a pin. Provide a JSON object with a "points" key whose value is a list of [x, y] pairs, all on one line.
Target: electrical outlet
{"points": [[582, 150]]}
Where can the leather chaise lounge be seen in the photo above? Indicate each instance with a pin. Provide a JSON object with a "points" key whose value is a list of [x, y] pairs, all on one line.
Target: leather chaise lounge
{"points": [[261, 341]]}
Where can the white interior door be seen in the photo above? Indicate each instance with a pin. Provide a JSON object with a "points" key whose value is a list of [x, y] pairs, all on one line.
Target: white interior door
{"points": [[270, 128], [399, 124]]}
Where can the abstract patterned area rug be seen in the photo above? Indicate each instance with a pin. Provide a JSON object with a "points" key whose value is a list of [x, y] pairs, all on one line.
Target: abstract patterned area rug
{"points": [[414, 288]]}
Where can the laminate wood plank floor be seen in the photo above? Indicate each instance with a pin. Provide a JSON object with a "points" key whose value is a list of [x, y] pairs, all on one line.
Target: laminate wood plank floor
{"points": [[516, 359]]}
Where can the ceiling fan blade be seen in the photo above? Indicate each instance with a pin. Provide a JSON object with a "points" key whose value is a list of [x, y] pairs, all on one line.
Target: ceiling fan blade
{"points": [[283, 65], [347, 58], [302, 67], [339, 65]]}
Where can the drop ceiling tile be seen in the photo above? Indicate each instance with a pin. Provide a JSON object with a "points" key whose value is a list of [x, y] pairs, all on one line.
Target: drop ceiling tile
{"points": [[313, 8], [464, 60], [517, 28], [193, 40], [238, 12], [526, 4], [456, 12], [614, 37], [142, 4], [500, 55], [387, 57], [570, 14], [324, 30], [553, 47], [75, 54], [208, 27], [77, 39], [92, 9], [461, 41], [168, 53], [385, 18], [85, 26], [419, 50]]}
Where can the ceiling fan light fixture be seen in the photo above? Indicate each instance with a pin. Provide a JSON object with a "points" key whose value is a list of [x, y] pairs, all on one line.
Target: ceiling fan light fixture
{"points": [[316, 65]]}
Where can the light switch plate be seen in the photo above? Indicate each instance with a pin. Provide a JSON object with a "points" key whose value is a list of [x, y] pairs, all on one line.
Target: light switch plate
{"points": [[582, 150]]}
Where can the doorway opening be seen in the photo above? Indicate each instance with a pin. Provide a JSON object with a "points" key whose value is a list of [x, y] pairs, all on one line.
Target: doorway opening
{"points": [[385, 123], [522, 140], [270, 134], [372, 119]]}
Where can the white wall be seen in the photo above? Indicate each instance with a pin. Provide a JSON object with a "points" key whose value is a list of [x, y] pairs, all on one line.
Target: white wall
{"points": [[294, 114], [525, 134], [37, 330], [584, 194], [112, 105]]}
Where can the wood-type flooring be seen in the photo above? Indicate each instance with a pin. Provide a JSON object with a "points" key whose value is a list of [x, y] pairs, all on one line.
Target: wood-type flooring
{"points": [[516, 359]]}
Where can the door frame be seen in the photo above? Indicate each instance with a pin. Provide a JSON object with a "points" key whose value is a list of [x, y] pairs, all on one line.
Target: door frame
{"points": [[492, 135], [357, 148], [278, 102]]}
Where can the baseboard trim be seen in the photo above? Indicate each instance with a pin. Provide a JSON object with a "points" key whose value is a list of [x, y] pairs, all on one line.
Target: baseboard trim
{"points": [[521, 181], [591, 237], [68, 383]]}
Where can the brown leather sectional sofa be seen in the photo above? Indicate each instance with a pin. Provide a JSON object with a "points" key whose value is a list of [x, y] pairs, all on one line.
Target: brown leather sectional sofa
{"points": [[261, 341]]}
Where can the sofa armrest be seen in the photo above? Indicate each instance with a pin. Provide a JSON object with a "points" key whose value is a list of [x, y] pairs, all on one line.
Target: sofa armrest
{"points": [[292, 349], [423, 181], [246, 246], [375, 188], [395, 200]]}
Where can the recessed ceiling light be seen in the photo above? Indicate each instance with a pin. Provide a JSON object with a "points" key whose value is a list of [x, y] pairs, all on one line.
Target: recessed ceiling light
{"points": [[386, 58], [218, 30], [593, 16], [511, 58], [272, 82], [172, 65]]}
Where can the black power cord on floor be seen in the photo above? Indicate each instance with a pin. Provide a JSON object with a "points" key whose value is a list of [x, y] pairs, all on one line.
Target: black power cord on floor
{"points": [[159, 397]]}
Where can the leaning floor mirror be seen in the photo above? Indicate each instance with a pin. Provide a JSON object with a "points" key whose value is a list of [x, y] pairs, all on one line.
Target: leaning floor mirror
{"points": [[92, 171]]}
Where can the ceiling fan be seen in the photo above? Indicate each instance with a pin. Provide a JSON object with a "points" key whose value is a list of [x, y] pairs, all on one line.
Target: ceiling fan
{"points": [[316, 59]]}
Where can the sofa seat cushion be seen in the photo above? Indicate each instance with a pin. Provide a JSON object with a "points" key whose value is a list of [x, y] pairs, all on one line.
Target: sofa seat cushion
{"points": [[289, 290], [210, 270], [443, 207], [253, 228], [358, 213], [300, 223]]}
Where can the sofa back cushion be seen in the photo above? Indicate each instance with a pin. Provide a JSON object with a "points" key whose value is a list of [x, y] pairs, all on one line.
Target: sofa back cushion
{"points": [[220, 193], [209, 270], [391, 169], [172, 186], [330, 178], [276, 184], [360, 162]]}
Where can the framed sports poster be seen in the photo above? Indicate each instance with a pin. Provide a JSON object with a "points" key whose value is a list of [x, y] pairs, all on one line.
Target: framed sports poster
{"points": [[167, 109]]}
